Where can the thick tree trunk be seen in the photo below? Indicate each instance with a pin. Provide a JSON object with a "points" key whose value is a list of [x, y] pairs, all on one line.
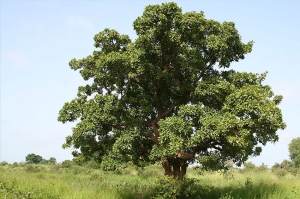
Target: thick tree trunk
{"points": [[175, 168]]}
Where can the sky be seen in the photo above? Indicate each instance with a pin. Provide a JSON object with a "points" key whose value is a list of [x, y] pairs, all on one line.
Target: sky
{"points": [[40, 37]]}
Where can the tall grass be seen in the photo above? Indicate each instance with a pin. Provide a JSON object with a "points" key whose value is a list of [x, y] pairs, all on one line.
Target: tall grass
{"points": [[54, 181], [248, 185]]}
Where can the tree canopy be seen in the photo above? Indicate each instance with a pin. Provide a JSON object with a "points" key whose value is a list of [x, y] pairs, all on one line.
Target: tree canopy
{"points": [[294, 149], [170, 96], [33, 159], [37, 159]]}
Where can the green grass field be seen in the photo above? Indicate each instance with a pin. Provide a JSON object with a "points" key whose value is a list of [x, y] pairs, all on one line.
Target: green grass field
{"points": [[54, 181]]}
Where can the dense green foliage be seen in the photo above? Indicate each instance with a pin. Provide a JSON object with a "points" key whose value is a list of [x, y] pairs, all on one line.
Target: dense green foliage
{"points": [[289, 166], [169, 96], [37, 159], [33, 159], [294, 149], [78, 182]]}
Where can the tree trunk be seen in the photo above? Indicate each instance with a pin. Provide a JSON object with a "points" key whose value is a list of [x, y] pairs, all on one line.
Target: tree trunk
{"points": [[175, 168]]}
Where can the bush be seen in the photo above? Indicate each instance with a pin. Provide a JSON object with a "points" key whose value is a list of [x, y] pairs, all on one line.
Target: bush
{"points": [[95, 176], [66, 164], [3, 163], [287, 166], [33, 159], [32, 169], [276, 166], [279, 172], [168, 188], [78, 170], [294, 171], [261, 168], [150, 171], [249, 166], [15, 164], [55, 168], [93, 165]]}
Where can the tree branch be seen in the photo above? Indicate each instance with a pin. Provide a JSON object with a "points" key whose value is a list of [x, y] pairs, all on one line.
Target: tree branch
{"points": [[115, 126], [175, 104], [189, 156], [185, 156], [133, 79]]}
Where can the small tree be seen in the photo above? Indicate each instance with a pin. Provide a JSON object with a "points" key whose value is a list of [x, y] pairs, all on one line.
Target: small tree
{"points": [[3, 163], [262, 167], [294, 149], [276, 166], [66, 163], [249, 166], [169, 96], [33, 159], [52, 160], [286, 164]]}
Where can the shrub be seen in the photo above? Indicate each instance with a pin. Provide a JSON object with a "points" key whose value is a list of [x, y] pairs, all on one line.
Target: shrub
{"points": [[32, 169], [261, 168], [66, 164], [279, 172], [55, 168], [94, 176], [168, 188], [276, 166], [15, 164], [93, 165], [75, 169], [248, 166], [286, 165], [3, 163], [294, 171]]}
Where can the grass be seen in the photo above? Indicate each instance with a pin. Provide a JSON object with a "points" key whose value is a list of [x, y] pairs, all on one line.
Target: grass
{"points": [[250, 185], [49, 182], [54, 181]]}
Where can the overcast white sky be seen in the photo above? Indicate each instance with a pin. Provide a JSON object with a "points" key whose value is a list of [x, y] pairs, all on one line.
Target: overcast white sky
{"points": [[40, 37]]}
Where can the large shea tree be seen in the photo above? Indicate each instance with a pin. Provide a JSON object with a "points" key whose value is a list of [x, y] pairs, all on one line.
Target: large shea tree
{"points": [[170, 96]]}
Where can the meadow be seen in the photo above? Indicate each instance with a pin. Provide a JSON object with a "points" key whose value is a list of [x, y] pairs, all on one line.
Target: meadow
{"points": [[79, 182]]}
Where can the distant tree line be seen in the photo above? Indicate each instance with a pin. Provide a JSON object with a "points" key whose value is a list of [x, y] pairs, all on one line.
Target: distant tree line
{"points": [[280, 169], [292, 165], [286, 166], [37, 159]]}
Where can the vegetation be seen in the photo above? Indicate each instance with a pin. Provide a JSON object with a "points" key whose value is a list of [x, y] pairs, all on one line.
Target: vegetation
{"points": [[55, 181], [170, 97], [287, 166], [73, 179], [33, 159], [37, 159], [294, 149]]}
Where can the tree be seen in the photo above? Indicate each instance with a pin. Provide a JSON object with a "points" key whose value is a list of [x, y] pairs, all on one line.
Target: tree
{"points": [[33, 159], [169, 96], [294, 149], [249, 166], [52, 160], [286, 165], [276, 166]]}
